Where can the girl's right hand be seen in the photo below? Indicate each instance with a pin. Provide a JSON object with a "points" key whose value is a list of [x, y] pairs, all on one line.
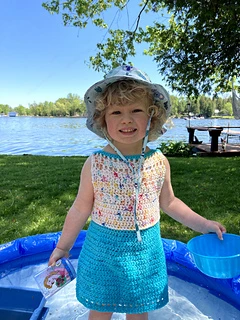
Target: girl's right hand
{"points": [[56, 255]]}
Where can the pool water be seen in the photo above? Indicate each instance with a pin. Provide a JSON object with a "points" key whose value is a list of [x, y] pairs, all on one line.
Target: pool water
{"points": [[188, 301]]}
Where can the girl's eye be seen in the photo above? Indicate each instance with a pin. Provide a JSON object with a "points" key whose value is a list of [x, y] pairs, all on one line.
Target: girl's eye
{"points": [[137, 110], [116, 112]]}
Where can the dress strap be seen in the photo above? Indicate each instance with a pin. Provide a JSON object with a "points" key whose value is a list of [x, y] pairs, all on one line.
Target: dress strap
{"points": [[137, 174]]}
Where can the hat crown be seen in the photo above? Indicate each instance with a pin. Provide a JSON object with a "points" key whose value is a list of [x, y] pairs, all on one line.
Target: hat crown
{"points": [[126, 72], [129, 72]]}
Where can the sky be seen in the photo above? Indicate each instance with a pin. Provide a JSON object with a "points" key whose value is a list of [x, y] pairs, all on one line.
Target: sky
{"points": [[43, 60]]}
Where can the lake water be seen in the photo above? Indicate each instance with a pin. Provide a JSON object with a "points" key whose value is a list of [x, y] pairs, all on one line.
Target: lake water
{"points": [[69, 136]]}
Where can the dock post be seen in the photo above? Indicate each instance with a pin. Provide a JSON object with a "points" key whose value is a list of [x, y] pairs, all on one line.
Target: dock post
{"points": [[191, 134], [214, 134]]}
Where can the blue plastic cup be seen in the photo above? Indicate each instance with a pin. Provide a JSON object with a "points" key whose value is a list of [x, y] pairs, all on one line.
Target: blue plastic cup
{"points": [[216, 258]]}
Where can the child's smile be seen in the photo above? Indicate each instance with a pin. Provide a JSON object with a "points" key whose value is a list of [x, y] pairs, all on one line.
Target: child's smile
{"points": [[128, 131]]}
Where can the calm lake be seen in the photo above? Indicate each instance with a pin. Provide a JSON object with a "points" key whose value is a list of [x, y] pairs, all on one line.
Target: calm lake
{"points": [[69, 136]]}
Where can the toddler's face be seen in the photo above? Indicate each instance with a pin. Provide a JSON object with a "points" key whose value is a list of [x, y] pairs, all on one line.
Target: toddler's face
{"points": [[127, 124]]}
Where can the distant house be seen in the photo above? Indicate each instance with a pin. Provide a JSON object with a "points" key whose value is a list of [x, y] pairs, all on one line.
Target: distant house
{"points": [[12, 114]]}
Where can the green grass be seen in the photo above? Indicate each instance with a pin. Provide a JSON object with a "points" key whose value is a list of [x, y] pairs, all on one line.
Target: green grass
{"points": [[211, 187], [37, 191]]}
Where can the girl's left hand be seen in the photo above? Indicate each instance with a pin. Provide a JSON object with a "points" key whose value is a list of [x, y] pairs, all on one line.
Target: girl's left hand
{"points": [[216, 227]]}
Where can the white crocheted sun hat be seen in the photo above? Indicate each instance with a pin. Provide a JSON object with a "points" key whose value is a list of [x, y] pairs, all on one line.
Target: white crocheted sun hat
{"points": [[125, 72]]}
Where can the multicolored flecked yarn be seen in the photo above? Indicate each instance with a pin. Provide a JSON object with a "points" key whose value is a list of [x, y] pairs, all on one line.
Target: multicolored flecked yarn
{"points": [[114, 192], [116, 272]]}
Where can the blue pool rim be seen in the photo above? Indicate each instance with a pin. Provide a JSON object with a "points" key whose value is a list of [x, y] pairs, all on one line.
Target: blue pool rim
{"points": [[34, 250], [211, 236]]}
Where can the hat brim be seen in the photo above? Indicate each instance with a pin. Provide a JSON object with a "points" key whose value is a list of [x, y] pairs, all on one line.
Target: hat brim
{"points": [[160, 96]]}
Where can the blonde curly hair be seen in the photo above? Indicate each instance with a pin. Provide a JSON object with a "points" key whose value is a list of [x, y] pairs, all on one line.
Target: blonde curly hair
{"points": [[125, 92]]}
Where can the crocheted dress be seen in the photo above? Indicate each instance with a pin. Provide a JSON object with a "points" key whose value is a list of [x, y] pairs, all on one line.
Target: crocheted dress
{"points": [[116, 272]]}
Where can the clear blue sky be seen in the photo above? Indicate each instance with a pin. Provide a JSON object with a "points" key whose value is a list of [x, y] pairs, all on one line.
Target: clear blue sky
{"points": [[41, 60]]}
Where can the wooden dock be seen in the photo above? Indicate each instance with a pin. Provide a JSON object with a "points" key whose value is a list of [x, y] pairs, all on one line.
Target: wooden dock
{"points": [[214, 148], [204, 149], [230, 133]]}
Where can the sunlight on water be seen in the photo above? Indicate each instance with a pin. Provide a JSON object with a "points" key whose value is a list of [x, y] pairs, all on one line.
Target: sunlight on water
{"points": [[69, 136]]}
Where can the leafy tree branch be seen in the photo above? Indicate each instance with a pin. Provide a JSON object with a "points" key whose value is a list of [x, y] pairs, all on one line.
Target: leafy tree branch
{"points": [[197, 51]]}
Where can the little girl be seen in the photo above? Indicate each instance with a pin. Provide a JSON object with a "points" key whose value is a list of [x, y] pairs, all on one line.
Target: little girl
{"points": [[122, 187]]}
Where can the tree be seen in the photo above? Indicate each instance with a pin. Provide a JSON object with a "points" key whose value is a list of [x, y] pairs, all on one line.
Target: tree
{"points": [[21, 110], [4, 109], [206, 106], [197, 51], [62, 107], [228, 111], [35, 109], [76, 104]]}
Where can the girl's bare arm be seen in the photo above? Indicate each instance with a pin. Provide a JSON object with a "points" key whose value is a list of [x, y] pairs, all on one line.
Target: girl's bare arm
{"points": [[77, 215], [180, 212]]}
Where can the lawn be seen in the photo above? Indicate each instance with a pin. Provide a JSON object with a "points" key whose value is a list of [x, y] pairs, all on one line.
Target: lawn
{"points": [[37, 191]]}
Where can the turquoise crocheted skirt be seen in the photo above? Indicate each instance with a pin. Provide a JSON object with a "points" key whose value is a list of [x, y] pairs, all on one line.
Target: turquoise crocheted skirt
{"points": [[116, 273]]}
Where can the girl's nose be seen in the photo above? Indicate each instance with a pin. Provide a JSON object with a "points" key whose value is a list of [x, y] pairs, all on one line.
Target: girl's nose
{"points": [[126, 118]]}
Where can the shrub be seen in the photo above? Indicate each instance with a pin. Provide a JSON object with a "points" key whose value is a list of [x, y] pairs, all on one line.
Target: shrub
{"points": [[176, 149]]}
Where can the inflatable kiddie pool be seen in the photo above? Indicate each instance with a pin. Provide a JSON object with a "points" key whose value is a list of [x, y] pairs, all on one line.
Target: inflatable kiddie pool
{"points": [[28, 303]]}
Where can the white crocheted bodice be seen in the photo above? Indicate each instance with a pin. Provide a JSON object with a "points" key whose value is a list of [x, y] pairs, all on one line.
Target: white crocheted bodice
{"points": [[114, 192]]}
